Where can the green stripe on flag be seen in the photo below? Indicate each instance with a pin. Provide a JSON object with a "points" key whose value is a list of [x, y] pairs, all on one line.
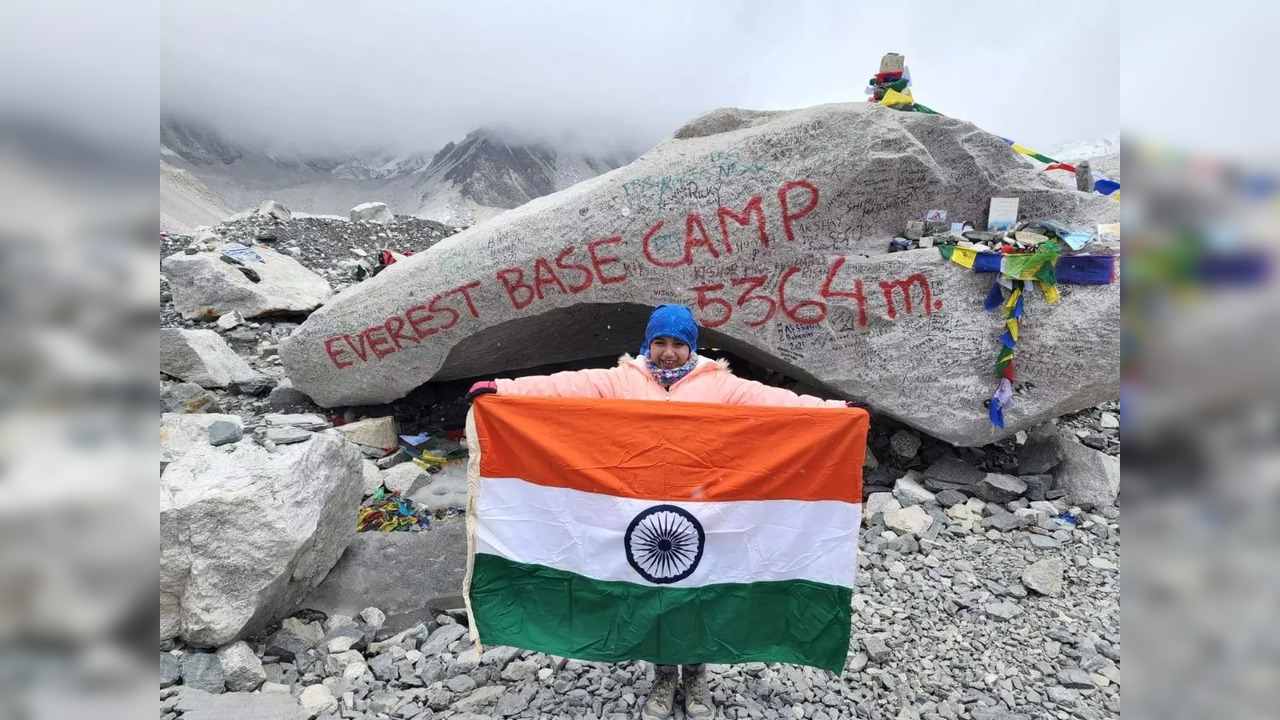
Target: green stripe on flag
{"points": [[562, 613]]}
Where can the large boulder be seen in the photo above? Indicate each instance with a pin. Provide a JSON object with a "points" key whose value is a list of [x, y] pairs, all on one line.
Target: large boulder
{"points": [[204, 285], [204, 358], [406, 575], [246, 534], [372, 212], [775, 228]]}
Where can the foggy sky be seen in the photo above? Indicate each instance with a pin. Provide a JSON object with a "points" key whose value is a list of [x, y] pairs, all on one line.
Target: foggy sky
{"points": [[327, 76]]}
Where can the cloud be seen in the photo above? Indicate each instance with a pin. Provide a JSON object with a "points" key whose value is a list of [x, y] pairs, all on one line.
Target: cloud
{"points": [[406, 75]]}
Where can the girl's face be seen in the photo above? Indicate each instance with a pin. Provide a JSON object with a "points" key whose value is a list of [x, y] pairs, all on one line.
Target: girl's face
{"points": [[668, 353]]}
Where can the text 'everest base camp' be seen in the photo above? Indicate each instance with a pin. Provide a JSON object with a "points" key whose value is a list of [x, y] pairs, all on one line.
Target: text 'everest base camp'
{"points": [[294, 417]]}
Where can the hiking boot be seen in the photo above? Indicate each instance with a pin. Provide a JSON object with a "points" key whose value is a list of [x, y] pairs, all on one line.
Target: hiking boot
{"points": [[662, 699], [697, 696]]}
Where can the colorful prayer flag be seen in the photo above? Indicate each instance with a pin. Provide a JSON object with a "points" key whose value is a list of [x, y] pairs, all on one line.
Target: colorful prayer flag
{"points": [[661, 540]]}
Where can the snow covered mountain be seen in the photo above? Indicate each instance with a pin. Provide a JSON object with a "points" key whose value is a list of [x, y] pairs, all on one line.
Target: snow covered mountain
{"points": [[461, 184]]}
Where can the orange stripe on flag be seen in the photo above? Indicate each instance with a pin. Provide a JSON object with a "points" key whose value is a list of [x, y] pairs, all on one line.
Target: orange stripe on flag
{"points": [[674, 450]]}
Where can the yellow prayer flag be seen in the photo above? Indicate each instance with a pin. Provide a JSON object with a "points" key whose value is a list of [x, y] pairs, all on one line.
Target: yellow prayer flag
{"points": [[1025, 151], [964, 256], [893, 98], [1051, 294], [1012, 325], [1012, 299]]}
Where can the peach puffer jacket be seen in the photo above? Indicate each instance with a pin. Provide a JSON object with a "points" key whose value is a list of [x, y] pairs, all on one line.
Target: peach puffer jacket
{"points": [[710, 381]]}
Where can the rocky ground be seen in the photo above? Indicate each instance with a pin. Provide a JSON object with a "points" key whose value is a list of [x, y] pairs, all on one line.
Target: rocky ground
{"points": [[982, 593]]}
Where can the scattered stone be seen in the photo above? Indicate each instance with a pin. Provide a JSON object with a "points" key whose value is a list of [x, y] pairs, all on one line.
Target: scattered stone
{"points": [[1004, 610], [222, 432], [1109, 421], [285, 397], [188, 398], [1006, 521], [1090, 478], [949, 472], [510, 704], [950, 498], [193, 704], [909, 491], [287, 435], [243, 669], [201, 357], [374, 432], [405, 478], [479, 698], [230, 563], [1075, 678], [1064, 697], [877, 649], [1045, 576], [203, 671], [170, 669], [877, 505], [998, 488], [1040, 454], [1037, 486], [306, 421], [1102, 564], [318, 700], [905, 444], [230, 320], [294, 637], [913, 520], [255, 386], [373, 617], [460, 684], [441, 638]]}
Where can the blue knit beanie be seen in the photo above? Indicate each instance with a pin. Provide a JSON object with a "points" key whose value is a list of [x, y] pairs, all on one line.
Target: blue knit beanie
{"points": [[673, 321]]}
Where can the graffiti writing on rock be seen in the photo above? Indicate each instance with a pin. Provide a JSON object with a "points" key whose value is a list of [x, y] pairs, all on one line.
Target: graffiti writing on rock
{"points": [[725, 252]]}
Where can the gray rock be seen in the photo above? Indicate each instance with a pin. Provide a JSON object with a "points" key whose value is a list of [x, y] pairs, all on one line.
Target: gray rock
{"points": [[949, 472], [294, 637], [1044, 542], [1006, 522], [197, 704], [1040, 454], [1004, 610], [256, 386], [877, 649], [286, 397], [383, 667], [405, 478], [273, 209], [1075, 678], [913, 520], [1063, 696], [317, 699], [439, 640], [203, 286], [242, 669], [1045, 576], [201, 357], [460, 684], [1090, 478], [1037, 486], [170, 669], [373, 618], [909, 491], [180, 432], [222, 432], [231, 564], [203, 671], [188, 398], [830, 177], [479, 698], [876, 505], [510, 704], [288, 435], [430, 569], [950, 498], [998, 488], [905, 444], [372, 212]]}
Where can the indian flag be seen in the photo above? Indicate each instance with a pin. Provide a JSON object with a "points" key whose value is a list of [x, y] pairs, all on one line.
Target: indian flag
{"points": [[611, 530]]}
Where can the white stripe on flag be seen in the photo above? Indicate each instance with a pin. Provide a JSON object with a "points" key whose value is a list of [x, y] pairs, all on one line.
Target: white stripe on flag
{"points": [[746, 540]]}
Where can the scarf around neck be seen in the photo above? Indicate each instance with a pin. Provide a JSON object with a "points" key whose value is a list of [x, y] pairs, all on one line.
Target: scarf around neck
{"points": [[667, 378]]}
